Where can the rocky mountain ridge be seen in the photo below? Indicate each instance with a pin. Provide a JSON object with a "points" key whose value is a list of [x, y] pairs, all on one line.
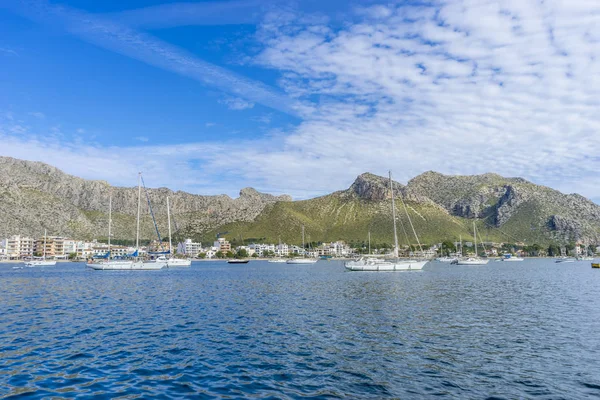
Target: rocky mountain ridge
{"points": [[35, 196]]}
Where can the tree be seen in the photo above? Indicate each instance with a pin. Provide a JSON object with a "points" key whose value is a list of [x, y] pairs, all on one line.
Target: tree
{"points": [[448, 247], [202, 255], [553, 250], [72, 256], [255, 255], [242, 253], [229, 254], [219, 254]]}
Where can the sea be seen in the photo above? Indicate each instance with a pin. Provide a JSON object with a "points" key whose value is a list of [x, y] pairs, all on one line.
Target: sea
{"points": [[518, 330]]}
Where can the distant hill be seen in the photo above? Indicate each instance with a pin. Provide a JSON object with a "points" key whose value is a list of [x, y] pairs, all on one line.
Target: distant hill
{"points": [[35, 196]]}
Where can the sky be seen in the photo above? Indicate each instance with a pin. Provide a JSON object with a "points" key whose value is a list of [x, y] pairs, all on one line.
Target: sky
{"points": [[300, 97]]}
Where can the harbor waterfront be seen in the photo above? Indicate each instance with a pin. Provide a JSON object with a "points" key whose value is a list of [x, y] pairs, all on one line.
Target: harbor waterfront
{"points": [[503, 330]]}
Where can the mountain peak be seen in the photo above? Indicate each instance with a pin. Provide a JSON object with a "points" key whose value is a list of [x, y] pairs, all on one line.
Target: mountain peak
{"points": [[372, 187]]}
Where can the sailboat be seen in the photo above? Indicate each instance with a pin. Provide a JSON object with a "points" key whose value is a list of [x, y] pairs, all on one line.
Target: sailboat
{"points": [[395, 264], [172, 261], [43, 262], [128, 265], [476, 260], [302, 260]]}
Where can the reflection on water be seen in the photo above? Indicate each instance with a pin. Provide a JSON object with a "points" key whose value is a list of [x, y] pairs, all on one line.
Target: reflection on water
{"points": [[507, 331]]}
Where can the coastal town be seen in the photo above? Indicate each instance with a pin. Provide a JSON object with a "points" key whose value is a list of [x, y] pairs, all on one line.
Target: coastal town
{"points": [[22, 248]]}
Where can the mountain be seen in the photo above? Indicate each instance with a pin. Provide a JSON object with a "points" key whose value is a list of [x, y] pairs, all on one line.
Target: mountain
{"points": [[35, 196]]}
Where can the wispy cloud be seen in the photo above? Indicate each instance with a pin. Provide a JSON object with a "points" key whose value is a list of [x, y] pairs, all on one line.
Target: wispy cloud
{"points": [[204, 13], [112, 35], [8, 52], [141, 138], [38, 114], [210, 124], [236, 103], [462, 86]]}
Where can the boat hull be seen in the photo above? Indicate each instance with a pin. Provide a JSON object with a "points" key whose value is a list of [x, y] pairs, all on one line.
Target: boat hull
{"points": [[472, 262], [385, 266], [512, 259], [127, 266], [179, 262], [301, 261], [40, 263], [276, 261], [238, 261]]}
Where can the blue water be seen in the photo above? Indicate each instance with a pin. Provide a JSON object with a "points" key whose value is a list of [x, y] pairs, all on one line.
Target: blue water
{"points": [[519, 330]]}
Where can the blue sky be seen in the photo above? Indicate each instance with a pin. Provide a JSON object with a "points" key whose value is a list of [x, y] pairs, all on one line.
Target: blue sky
{"points": [[301, 97]]}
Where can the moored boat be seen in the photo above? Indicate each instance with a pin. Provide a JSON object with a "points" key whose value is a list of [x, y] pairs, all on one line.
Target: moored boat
{"points": [[511, 258], [395, 264], [238, 261], [301, 261], [42, 262], [277, 260]]}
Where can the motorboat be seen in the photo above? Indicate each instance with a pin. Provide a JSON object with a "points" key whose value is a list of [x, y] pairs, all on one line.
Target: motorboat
{"points": [[302, 261], [238, 261], [511, 258], [277, 260], [446, 259]]}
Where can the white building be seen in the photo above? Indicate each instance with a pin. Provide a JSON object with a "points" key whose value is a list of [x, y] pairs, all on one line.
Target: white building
{"points": [[19, 247], [189, 248], [261, 249], [282, 250]]}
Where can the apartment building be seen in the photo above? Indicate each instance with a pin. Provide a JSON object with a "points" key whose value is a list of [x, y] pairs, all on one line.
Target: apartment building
{"points": [[189, 248], [222, 245], [19, 247]]}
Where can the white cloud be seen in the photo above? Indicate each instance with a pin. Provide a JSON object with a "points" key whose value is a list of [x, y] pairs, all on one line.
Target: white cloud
{"points": [[210, 124], [141, 138], [235, 103], [464, 87], [8, 52], [80, 130], [108, 33], [38, 114]]}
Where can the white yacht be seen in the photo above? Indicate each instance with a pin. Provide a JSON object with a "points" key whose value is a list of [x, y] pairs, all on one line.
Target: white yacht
{"points": [[476, 260], [446, 259], [277, 260], [172, 261], [395, 264], [41, 262], [127, 265], [301, 261], [374, 264], [473, 261]]}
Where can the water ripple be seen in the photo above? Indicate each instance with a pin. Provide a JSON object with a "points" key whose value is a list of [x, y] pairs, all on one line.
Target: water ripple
{"points": [[314, 332]]}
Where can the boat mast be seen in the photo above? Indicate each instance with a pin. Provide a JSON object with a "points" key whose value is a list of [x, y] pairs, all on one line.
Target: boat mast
{"points": [[475, 236], [369, 242], [303, 248], [44, 251], [169, 220], [460, 240], [137, 234], [394, 217], [109, 222]]}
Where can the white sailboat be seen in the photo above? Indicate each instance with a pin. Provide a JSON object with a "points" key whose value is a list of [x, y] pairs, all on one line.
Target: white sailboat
{"points": [[43, 262], [302, 260], [473, 260], [374, 264], [128, 265], [172, 261]]}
